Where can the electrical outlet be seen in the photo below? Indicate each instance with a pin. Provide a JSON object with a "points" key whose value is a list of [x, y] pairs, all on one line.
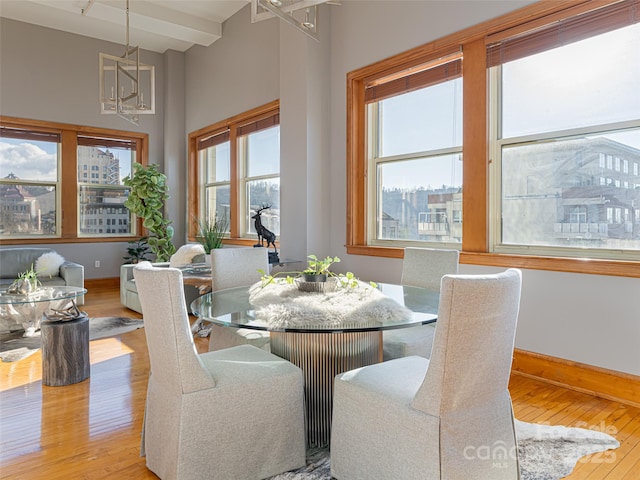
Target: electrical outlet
{"points": [[97, 264]]}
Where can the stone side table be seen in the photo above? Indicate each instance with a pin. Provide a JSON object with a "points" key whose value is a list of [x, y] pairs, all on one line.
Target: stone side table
{"points": [[65, 351]]}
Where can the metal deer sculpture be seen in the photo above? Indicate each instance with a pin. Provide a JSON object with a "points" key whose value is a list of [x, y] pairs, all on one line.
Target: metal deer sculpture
{"points": [[263, 233]]}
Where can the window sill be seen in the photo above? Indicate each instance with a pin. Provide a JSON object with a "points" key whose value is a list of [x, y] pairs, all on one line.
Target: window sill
{"points": [[45, 240], [556, 264]]}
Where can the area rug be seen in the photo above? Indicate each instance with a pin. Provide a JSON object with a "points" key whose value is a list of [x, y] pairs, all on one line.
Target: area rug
{"points": [[14, 347], [545, 452]]}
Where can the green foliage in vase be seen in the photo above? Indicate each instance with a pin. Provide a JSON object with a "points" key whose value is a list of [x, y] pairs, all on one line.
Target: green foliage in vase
{"points": [[211, 232], [26, 283], [315, 266], [149, 192], [31, 276]]}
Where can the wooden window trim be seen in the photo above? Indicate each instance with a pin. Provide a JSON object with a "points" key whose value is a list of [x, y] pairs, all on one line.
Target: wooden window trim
{"points": [[475, 240], [69, 134], [255, 119]]}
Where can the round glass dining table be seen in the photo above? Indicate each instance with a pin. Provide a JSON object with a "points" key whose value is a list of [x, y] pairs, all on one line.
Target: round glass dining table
{"points": [[322, 349]]}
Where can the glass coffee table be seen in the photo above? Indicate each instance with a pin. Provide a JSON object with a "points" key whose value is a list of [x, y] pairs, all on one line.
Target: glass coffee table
{"points": [[24, 312], [64, 330]]}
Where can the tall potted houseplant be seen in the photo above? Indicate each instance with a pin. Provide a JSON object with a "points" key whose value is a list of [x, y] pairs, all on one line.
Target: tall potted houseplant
{"points": [[211, 231], [149, 192]]}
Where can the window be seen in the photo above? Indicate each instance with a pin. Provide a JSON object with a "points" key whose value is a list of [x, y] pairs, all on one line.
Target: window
{"points": [[114, 157], [553, 107], [30, 183], [551, 151], [414, 139], [259, 152], [43, 171], [235, 170]]}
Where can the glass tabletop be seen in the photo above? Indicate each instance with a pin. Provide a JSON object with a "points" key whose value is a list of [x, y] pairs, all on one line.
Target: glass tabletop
{"points": [[202, 269], [233, 308], [43, 294]]}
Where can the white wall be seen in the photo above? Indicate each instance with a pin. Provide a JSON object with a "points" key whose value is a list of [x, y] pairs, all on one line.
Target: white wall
{"points": [[175, 143], [51, 75], [591, 319], [586, 318], [233, 75]]}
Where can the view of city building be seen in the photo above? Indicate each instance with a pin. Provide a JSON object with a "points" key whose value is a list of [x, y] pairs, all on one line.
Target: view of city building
{"points": [[102, 210], [30, 208], [581, 192]]}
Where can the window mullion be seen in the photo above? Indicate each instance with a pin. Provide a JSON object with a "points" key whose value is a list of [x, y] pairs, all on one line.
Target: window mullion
{"points": [[69, 180], [234, 188]]}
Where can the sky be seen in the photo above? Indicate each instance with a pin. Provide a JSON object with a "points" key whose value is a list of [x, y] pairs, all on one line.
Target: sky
{"points": [[542, 93], [37, 161]]}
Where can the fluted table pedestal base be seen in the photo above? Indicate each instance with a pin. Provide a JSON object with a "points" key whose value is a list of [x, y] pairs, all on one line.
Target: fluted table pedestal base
{"points": [[322, 356]]}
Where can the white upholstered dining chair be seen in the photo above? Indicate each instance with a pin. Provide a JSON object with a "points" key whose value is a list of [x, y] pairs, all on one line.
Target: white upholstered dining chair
{"points": [[449, 417], [424, 268], [234, 413], [236, 267]]}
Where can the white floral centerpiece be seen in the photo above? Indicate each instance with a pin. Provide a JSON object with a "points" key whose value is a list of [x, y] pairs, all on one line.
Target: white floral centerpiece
{"points": [[285, 299]]}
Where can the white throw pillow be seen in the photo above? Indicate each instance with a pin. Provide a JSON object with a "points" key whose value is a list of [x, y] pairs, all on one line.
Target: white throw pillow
{"points": [[185, 254], [48, 264]]}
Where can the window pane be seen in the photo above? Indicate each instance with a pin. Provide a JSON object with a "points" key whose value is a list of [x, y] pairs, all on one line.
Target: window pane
{"points": [[261, 193], [217, 163], [218, 203], [591, 82], [27, 210], [263, 152], [420, 199], [420, 121], [573, 193], [102, 211], [101, 169], [107, 166], [28, 160]]}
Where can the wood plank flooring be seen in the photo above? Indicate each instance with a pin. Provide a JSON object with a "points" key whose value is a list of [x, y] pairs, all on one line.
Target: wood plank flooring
{"points": [[91, 430]]}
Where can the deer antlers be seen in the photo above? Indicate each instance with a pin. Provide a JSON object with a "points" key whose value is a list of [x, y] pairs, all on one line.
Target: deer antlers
{"points": [[264, 207]]}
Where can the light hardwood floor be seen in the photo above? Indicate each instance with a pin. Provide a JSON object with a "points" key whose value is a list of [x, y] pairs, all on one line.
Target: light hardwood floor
{"points": [[91, 430]]}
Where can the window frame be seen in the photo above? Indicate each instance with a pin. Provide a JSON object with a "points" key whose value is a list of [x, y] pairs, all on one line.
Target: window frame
{"points": [[106, 141], [237, 128], [477, 159], [373, 142], [67, 200]]}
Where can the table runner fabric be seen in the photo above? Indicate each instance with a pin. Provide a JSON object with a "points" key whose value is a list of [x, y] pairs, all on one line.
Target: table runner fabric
{"points": [[282, 305]]}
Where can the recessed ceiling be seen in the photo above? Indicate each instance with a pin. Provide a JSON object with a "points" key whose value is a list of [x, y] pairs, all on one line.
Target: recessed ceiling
{"points": [[155, 25]]}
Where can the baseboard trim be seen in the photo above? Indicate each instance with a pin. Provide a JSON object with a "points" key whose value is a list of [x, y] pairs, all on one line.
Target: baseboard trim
{"points": [[95, 283], [601, 382]]}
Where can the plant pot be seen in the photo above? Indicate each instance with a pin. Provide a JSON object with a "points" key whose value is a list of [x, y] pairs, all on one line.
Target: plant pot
{"points": [[318, 286], [207, 259], [312, 277]]}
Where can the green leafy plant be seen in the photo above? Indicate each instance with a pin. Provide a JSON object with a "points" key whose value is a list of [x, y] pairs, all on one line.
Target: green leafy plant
{"points": [[210, 232], [137, 250], [149, 191], [31, 276], [315, 266], [26, 282]]}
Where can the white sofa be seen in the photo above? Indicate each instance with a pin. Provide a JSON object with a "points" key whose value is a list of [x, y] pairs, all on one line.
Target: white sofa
{"points": [[14, 261]]}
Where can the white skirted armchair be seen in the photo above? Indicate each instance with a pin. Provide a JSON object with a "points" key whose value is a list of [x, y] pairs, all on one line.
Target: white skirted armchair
{"points": [[232, 414], [421, 267], [413, 418]]}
